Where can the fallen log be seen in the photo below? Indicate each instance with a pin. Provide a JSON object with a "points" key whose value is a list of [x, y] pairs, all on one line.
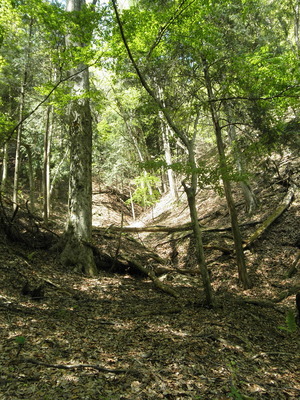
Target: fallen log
{"points": [[288, 198], [152, 276], [271, 302], [167, 229]]}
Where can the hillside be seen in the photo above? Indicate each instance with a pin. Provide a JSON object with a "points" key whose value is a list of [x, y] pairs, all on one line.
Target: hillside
{"points": [[118, 336]]}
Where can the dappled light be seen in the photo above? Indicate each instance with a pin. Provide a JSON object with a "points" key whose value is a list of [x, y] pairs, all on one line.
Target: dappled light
{"points": [[149, 199]]}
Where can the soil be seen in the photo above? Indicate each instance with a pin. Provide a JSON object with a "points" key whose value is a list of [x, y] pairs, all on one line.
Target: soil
{"points": [[117, 336]]}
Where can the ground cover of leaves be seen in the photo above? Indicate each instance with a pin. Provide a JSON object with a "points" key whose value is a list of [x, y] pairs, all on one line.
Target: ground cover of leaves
{"points": [[118, 337]]}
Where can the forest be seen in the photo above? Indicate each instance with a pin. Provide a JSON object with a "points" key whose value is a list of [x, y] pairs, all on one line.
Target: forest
{"points": [[149, 199]]}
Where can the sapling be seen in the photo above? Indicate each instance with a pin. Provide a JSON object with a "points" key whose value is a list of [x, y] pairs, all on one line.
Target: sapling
{"points": [[291, 324], [20, 340]]}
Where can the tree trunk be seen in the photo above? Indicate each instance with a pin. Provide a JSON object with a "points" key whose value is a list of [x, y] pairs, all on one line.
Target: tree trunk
{"points": [[166, 131], [21, 115], [78, 231], [4, 168], [191, 197], [46, 162], [189, 145], [18, 146], [296, 8], [249, 196], [30, 179], [168, 158], [238, 243]]}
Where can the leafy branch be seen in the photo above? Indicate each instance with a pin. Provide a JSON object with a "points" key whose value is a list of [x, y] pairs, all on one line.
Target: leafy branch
{"points": [[30, 113]]}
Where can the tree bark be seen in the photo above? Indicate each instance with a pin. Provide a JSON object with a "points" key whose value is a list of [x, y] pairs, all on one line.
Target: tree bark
{"points": [[166, 132], [4, 168], [46, 166], [18, 147], [191, 196], [168, 157], [79, 225], [30, 179], [296, 9]]}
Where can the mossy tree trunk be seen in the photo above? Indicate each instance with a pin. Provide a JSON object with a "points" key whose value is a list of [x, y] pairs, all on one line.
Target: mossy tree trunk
{"points": [[78, 233]]}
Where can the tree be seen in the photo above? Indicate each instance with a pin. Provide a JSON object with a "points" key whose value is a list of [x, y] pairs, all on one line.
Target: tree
{"points": [[243, 276], [78, 233], [189, 143]]}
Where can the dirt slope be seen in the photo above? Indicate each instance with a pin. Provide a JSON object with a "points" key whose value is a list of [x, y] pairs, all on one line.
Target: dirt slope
{"points": [[118, 337]]}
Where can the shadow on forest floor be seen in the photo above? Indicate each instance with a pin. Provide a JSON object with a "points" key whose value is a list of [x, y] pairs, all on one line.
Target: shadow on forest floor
{"points": [[148, 344]]}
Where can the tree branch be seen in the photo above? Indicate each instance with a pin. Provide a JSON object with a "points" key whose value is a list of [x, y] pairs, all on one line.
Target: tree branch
{"points": [[144, 83], [25, 117], [179, 10], [277, 95]]}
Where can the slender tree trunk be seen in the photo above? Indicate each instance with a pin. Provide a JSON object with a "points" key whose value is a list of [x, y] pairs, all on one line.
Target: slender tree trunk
{"points": [[238, 244], [21, 114], [189, 145], [30, 178], [249, 196], [191, 197], [168, 157], [78, 233], [46, 162], [166, 131], [4, 168], [18, 147], [297, 25]]}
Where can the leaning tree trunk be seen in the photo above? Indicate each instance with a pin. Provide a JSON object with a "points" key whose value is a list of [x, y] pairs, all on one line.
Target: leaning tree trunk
{"points": [[187, 144], [238, 244], [78, 233]]}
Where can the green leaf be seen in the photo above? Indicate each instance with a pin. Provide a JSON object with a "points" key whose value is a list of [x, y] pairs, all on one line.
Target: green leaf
{"points": [[291, 324], [20, 340]]}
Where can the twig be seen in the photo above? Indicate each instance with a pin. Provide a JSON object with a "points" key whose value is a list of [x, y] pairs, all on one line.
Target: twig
{"points": [[76, 366]]}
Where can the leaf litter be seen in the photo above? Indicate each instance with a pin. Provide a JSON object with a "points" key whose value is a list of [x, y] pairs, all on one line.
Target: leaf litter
{"points": [[118, 337]]}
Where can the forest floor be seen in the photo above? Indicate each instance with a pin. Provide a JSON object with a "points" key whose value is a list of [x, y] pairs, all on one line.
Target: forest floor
{"points": [[117, 336]]}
